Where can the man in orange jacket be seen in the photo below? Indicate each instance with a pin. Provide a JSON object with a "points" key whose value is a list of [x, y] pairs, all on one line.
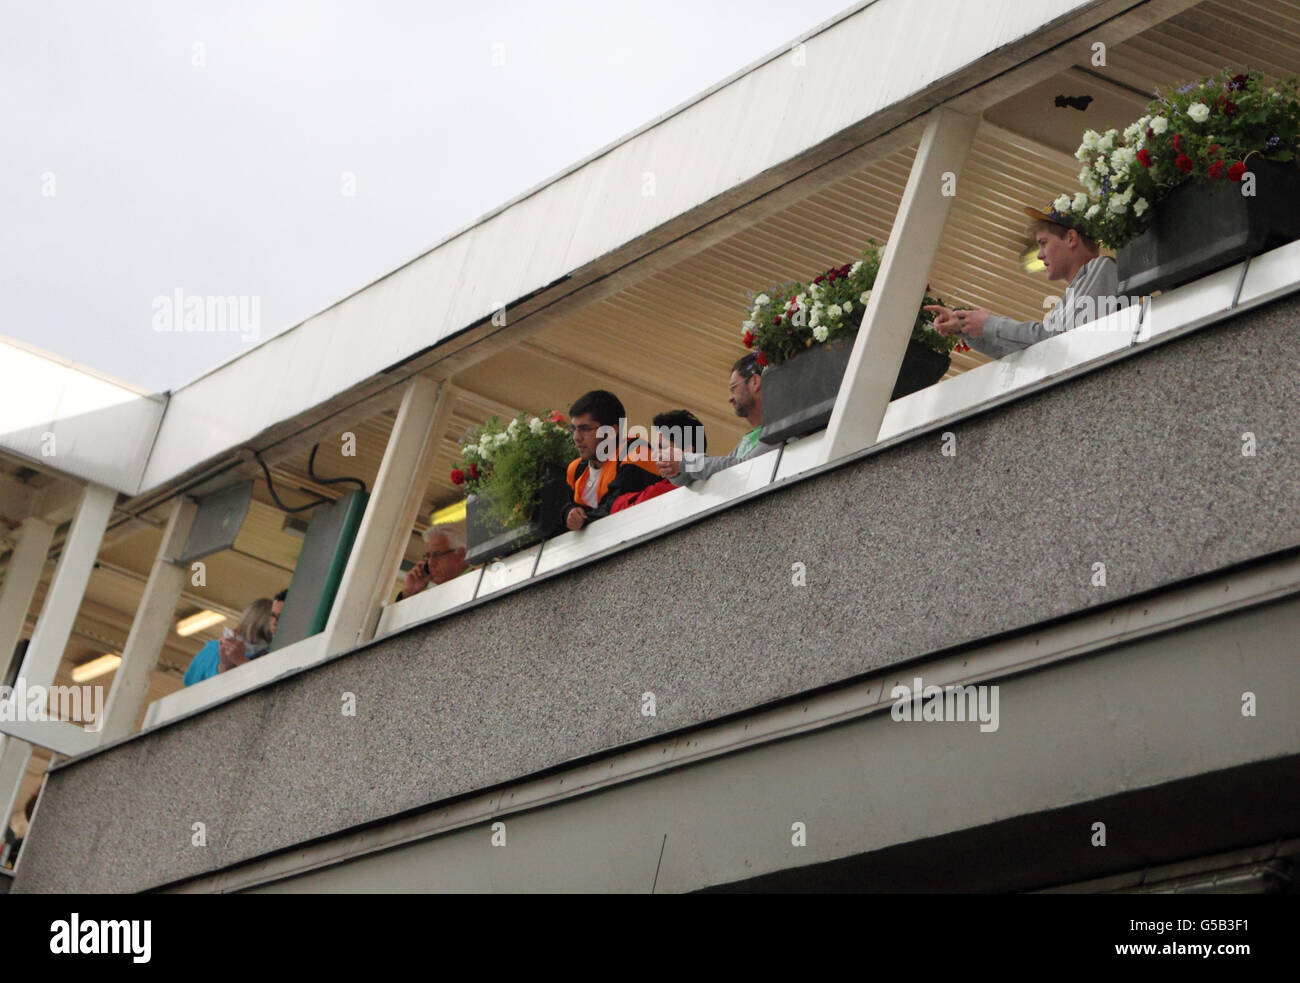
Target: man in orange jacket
{"points": [[608, 464]]}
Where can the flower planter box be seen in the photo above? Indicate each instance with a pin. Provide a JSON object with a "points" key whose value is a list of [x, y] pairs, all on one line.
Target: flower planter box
{"points": [[486, 539], [799, 394], [1199, 228]]}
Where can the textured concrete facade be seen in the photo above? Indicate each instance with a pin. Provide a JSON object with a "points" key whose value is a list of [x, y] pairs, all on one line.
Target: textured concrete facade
{"points": [[1137, 465]]}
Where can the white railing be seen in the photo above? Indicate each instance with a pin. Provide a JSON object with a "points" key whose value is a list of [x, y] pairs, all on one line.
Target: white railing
{"points": [[224, 686], [1119, 335]]}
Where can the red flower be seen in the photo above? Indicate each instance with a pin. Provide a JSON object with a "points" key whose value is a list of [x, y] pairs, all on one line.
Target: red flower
{"points": [[776, 319], [473, 472], [762, 359], [1214, 149], [1178, 141], [1217, 169], [555, 416], [1183, 163], [1144, 157], [1151, 134], [457, 476], [748, 340], [1236, 171], [1238, 82], [1229, 107], [961, 346]]}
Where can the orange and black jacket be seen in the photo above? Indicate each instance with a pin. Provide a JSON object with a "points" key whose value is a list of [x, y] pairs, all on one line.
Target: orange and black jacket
{"points": [[632, 472]]}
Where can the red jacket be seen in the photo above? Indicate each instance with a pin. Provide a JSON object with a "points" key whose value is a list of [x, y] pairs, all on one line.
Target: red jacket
{"points": [[636, 498]]}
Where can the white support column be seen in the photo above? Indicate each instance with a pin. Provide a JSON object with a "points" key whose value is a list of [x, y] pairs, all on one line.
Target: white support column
{"points": [[21, 577], [54, 626], [900, 285], [390, 514], [153, 619], [68, 586], [14, 755]]}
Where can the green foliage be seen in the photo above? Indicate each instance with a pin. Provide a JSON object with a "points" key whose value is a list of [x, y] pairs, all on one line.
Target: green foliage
{"points": [[504, 463], [791, 317]]}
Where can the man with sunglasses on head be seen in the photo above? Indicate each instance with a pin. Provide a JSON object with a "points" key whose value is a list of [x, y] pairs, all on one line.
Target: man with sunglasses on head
{"points": [[746, 398], [444, 560], [608, 464]]}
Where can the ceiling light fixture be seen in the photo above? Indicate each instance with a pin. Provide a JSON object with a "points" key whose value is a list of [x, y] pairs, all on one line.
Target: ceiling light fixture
{"points": [[1030, 262], [95, 668], [197, 622]]}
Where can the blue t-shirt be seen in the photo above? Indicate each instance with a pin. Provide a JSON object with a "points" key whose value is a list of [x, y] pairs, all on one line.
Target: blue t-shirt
{"points": [[206, 661], [204, 664]]}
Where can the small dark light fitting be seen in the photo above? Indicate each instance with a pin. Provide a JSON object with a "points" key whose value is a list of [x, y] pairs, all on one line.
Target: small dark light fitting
{"points": [[1073, 102]]}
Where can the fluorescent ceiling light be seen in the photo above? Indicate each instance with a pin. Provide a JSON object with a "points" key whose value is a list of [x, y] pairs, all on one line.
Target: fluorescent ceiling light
{"points": [[450, 514], [197, 622], [95, 668], [1030, 262]]}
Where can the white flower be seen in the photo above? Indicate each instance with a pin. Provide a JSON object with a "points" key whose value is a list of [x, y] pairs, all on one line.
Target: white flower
{"points": [[513, 428], [1101, 166], [536, 425], [848, 307], [1132, 132], [1118, 205], [1140, 207], [821, 332], [762, 299], [1090, 139], [1106, 142], [1085, 175], [834, 311], [815, 290], [1159, 124], [1080, 202], [815, 318], [1199, 112], [866, 296], [1122, 159], [1062, 204], [1083, 153], [853, 270], [472, 449], [1093, 211]]}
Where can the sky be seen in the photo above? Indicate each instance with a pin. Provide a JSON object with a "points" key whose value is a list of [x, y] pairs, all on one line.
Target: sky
{"points": [[288, 153]]}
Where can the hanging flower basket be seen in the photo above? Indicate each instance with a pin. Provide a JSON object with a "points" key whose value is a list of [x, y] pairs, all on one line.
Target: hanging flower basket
{"points": [[798, 395], [514, 474], [1201, 228], [486, 538], [804, 335], [1206, 177]]}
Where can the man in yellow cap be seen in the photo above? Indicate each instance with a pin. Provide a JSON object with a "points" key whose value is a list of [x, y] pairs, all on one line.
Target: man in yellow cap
{"points": [[1069, 255]]}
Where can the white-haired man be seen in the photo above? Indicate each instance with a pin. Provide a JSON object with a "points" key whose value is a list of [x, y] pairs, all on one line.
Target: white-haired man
{"points": [[444, 560]]}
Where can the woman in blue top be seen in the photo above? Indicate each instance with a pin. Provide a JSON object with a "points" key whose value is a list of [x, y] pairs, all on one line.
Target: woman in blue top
{"points": [[248, 641]]}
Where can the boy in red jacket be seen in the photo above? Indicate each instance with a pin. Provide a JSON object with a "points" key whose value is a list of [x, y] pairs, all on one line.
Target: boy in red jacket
{"points": [[674, 432]]}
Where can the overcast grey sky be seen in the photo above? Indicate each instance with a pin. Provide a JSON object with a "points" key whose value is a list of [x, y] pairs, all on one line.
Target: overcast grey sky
{"points": [[210, 147]]}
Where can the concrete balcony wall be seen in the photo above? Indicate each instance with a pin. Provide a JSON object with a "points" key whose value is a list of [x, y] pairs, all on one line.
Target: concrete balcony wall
{"points": [[1138, 465]]}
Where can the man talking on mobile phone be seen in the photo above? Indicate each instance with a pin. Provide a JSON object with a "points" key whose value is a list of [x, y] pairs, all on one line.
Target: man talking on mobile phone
{"points": [[444, 560]]}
